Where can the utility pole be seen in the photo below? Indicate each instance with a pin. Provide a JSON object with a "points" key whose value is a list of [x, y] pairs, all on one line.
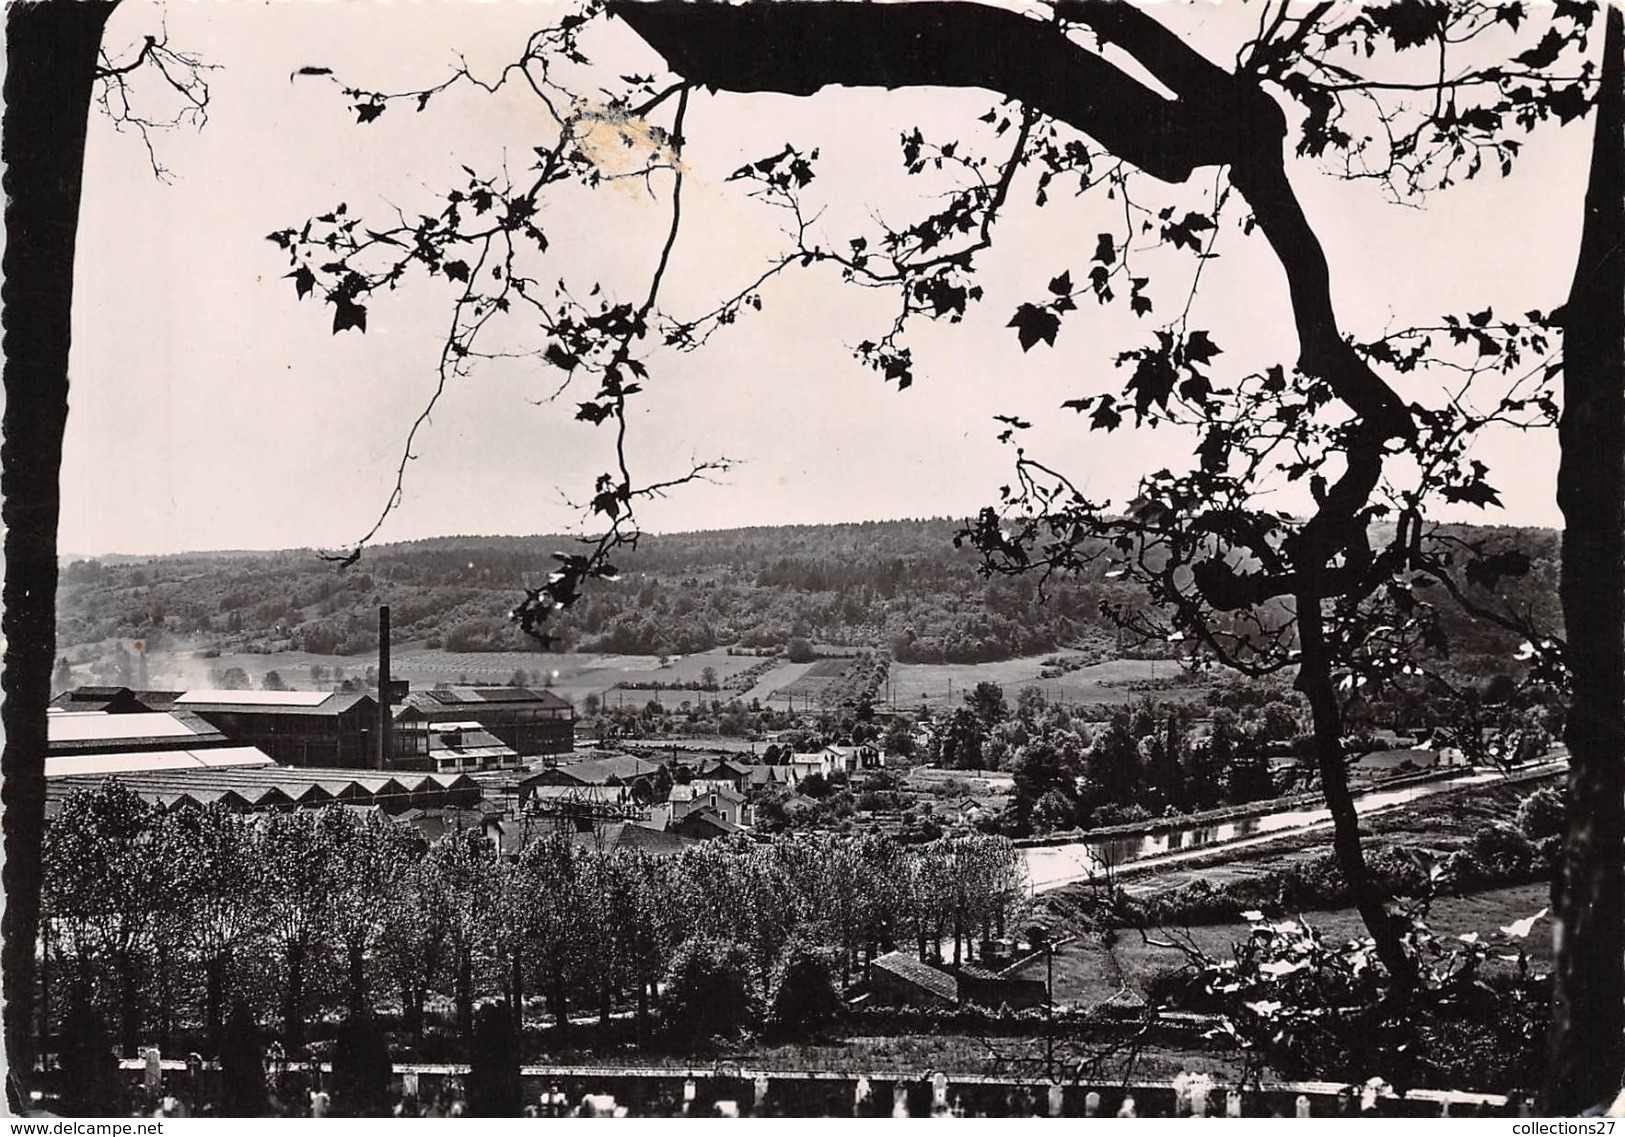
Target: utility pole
{"points": [[1049, 1011]]}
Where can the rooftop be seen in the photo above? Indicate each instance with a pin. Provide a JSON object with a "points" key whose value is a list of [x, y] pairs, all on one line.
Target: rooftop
{"points": [[99, 726], [705, 818], [271, 784], [457, 696], [631, 835], [701, 789], [600, 771], [102, 765], [257, 698], [272, 702], [907, 966]]}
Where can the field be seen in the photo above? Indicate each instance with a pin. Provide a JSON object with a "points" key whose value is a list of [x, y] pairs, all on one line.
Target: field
{"points": [[570, 675], [930, 778], [813, 682], [770, 686], [945, 684], [574, 676]]}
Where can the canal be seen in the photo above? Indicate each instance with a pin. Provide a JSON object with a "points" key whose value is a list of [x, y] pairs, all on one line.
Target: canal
{"points": [[1051, 866]]}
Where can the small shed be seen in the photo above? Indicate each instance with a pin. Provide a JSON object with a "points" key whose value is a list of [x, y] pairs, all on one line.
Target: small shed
{"points": [[900, 978]]}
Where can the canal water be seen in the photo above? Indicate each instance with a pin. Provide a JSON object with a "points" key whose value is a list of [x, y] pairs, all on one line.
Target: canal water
{"points": [[1050, 866]]}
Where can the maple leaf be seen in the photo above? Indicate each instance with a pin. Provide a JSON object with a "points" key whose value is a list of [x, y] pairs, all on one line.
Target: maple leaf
{"points": [[1033, 323], [303, 280], [1199, 348], [348, 314]]}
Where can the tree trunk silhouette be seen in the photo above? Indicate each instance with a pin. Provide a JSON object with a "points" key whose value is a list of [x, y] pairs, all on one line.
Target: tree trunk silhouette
{"points": [[558, 1003], [165, 996], [356, 950], [214, 1002], [293, 999], [51, 54], [465, 996], [129, 1003], [516, 992], [412, 997], [1587, 1050], [642, 1020], [1314, 681]]}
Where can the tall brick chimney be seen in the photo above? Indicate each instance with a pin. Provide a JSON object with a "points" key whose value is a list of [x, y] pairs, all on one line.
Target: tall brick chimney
{"points": [[385, 721]]}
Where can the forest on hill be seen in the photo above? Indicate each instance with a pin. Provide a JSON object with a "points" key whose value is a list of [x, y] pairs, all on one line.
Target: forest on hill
{"points": [[899, 585]]}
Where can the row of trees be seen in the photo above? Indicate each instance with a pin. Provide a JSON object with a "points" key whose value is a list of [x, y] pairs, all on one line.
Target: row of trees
{"points": [[170, 917], [1142, 761]]}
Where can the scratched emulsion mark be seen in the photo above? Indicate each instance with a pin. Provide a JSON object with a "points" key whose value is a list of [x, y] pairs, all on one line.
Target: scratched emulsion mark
{"points": [[625, 149]]}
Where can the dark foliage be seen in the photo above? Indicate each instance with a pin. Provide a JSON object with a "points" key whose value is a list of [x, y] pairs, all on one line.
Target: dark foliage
{"points": [[361, 1068], [90, 1084], [803, 997], [493, 1075], [242, 1068], [711, 991]]}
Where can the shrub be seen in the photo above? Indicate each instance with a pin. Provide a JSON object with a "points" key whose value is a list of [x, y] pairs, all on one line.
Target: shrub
{"points": [[1176, 988], [1541, 814], [1465, 870], [711, 991], [1114, 814], [804, 997], [1310, 1006], [1504, 850], [1399, 870]]}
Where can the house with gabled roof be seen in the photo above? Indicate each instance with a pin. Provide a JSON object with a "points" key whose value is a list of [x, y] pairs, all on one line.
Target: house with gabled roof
{"points": [[718, 796], [900, 978], [705, 824], [739, 773], [775, 777]]}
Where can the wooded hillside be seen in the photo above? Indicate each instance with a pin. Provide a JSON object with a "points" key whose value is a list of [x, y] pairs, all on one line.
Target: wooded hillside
{"points": [[901, 585]]}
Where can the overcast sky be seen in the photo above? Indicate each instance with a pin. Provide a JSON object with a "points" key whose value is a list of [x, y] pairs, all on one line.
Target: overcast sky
{"points": [[211, 410]]}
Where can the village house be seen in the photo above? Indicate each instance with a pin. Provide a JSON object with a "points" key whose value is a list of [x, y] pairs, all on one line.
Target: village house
{"points": [[851, 759], [703, 824], [719, 797], [901, 978], [603, 769]]}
